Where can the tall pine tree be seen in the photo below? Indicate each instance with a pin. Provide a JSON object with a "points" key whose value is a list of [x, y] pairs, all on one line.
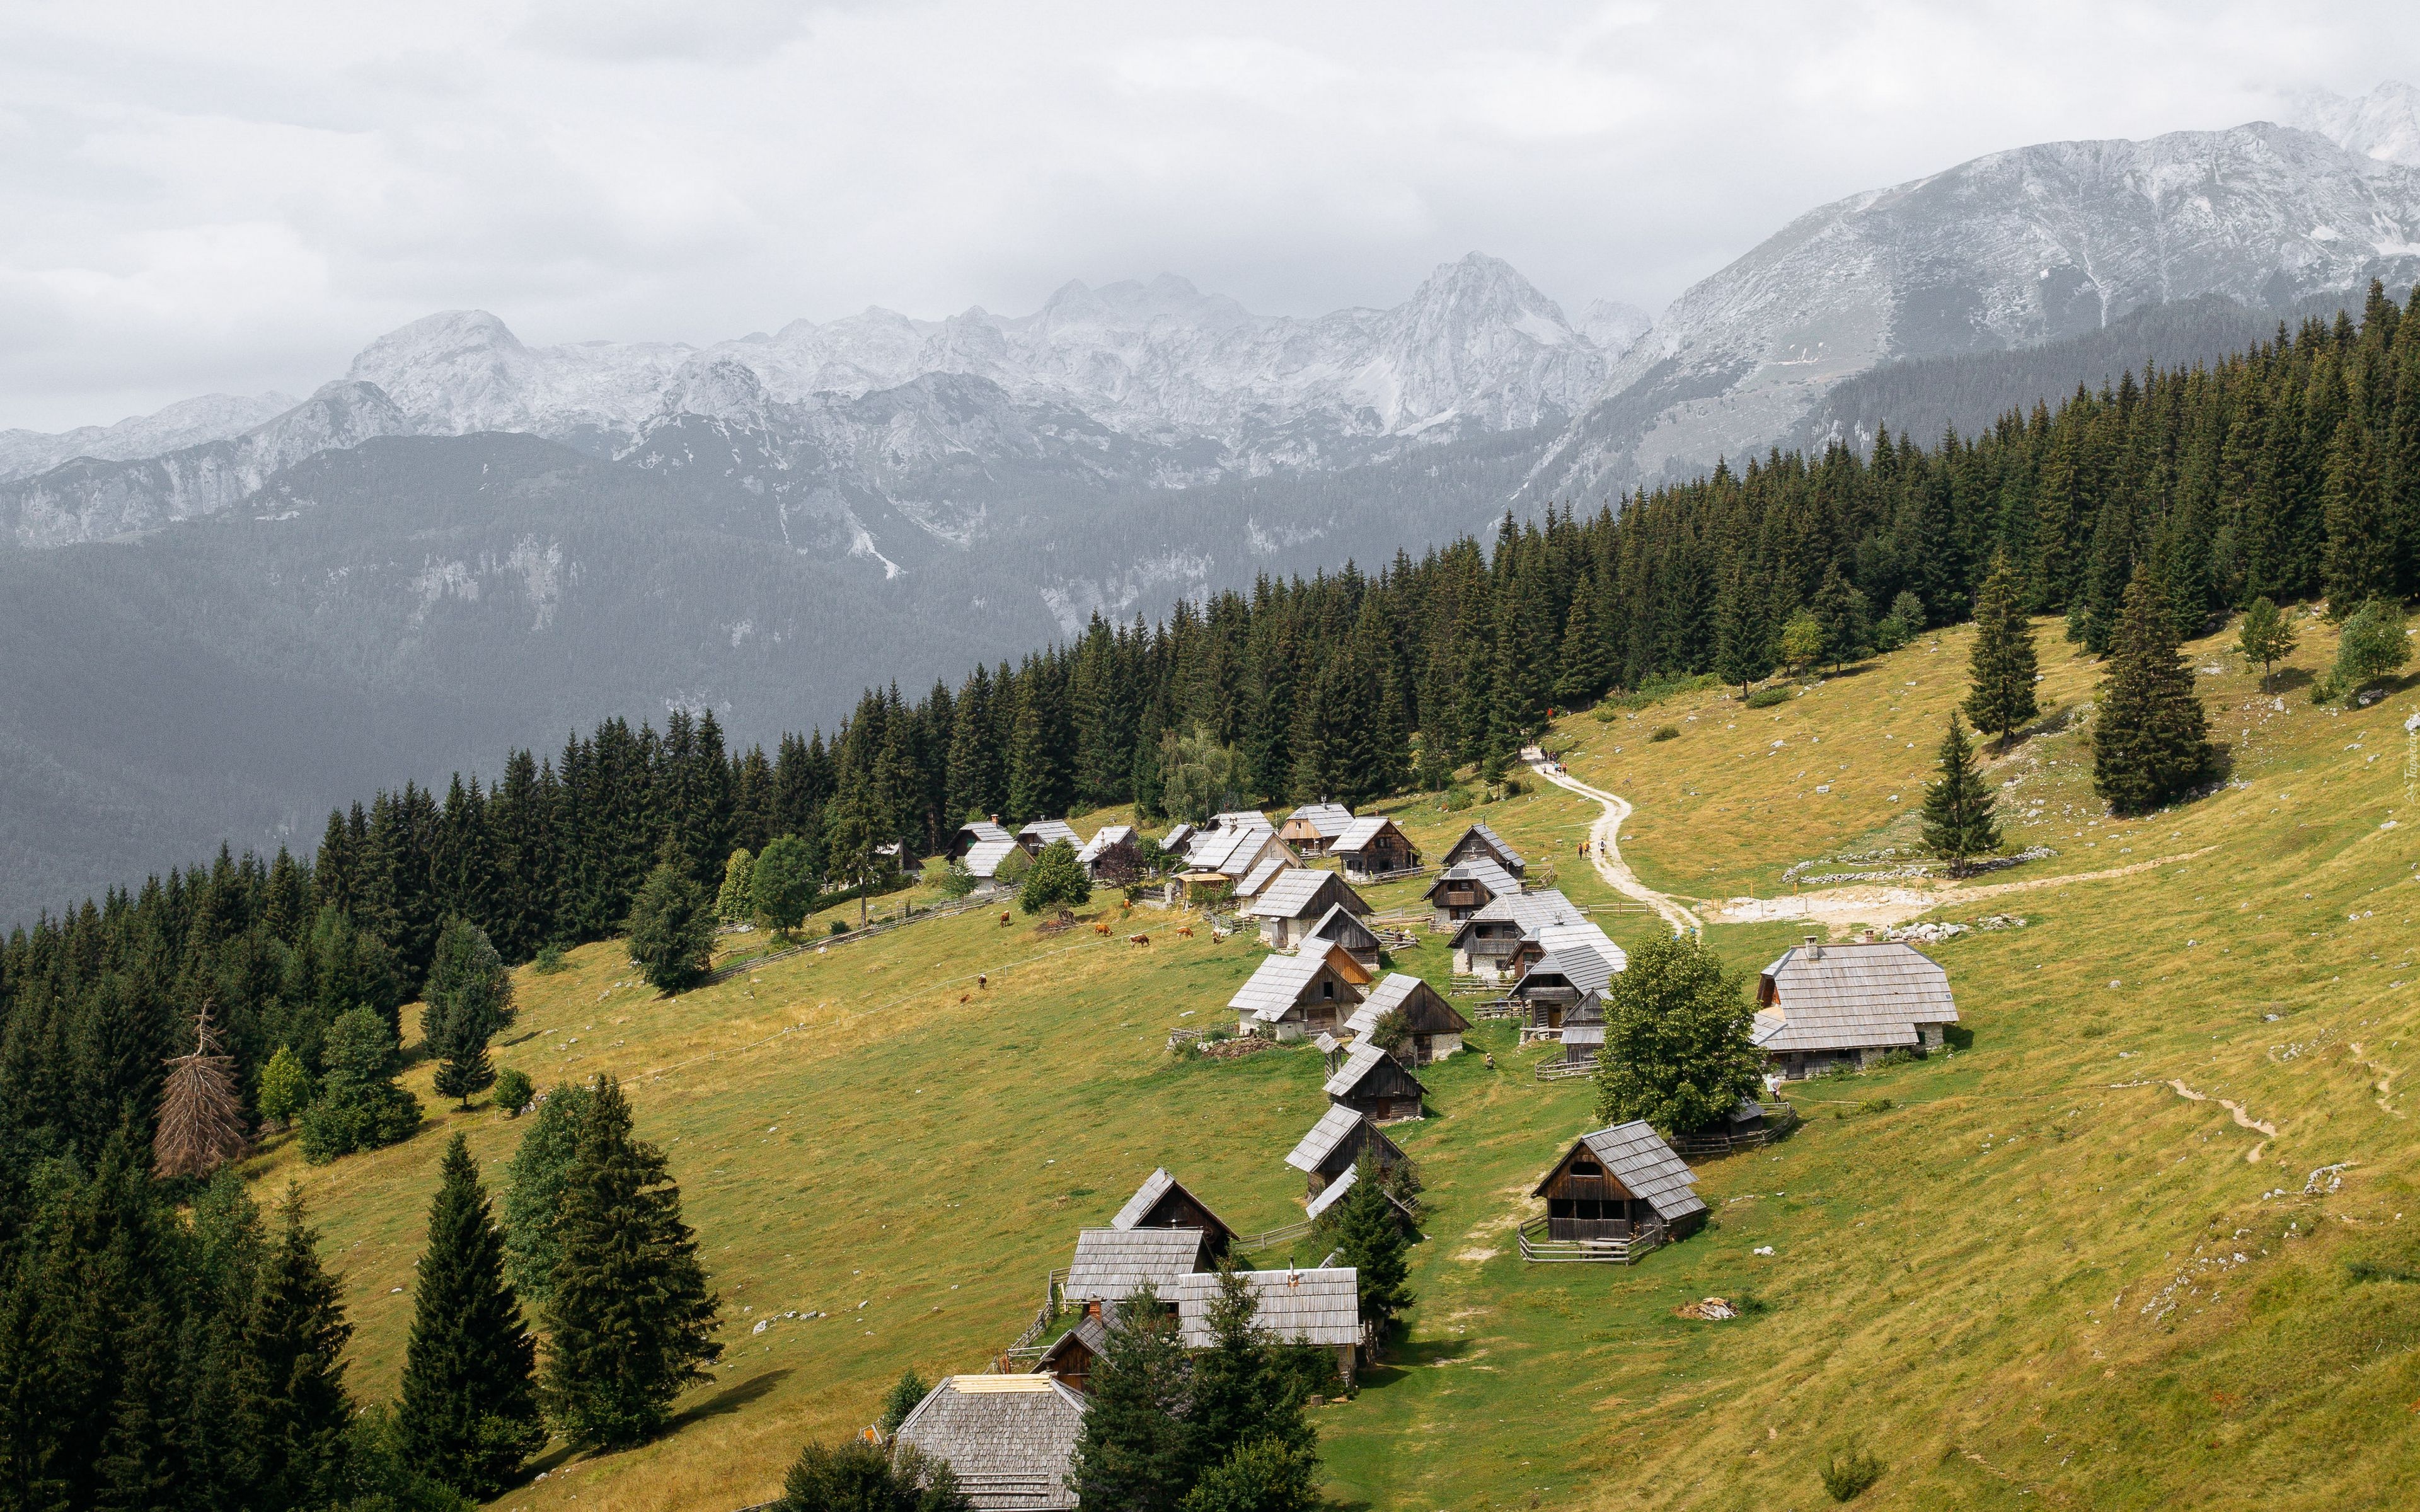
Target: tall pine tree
{"points": [[2152, 740], [469, 1414], [2001, 698], [1958, 819]]}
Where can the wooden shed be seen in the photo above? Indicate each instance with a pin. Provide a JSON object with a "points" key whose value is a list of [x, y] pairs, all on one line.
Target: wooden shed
{"points": [[1622, 1182], [1561, 983], [1163, 1202], [974, 833], [1823, 1007], [1437, 1025], [1373, 1082], [1337, 1143], [1499, 942], [1296, 899], [1292, 995], [1314, 826], [1177, 840], [1338, 927], [1321, 1307], [1479, 842], [1465, 888], [1010, 1440], [1069, 1357], [1111, 855], [1375, 846], [1045, 832]]}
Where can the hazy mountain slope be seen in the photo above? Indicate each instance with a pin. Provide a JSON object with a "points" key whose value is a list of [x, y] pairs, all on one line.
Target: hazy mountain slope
{"points": [[2008, 251], [2383, 124], [187, 422]]}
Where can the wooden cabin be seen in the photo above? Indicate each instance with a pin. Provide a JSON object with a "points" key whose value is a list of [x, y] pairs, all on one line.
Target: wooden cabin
{"points": [[1294, 995], [1275, 861], [1321, 1307], [975, 832], [1479, 842], [1501, 941], [1069, 1358], [1045, 832], [1237, 853], [1823, 1007], [1565, 981], [1314, 826], [1111, 853], [1620, 1182], [1178, 839], [1375, 846], [1437, 1025], [1465, 888], [1163, 1202], [1337, 1143], [1010, 1440], [1338, 927], [1296, 899], [1373, 1082]]}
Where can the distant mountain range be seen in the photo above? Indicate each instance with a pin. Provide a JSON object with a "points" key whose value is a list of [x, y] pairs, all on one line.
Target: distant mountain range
{"points": [[467, 540]]}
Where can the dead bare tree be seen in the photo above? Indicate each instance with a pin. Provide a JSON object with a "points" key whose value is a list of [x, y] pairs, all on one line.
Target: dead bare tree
{"points": [[201, 1118]]}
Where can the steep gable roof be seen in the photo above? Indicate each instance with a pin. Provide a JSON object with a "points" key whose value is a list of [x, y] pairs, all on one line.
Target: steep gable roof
{"points": [[1482, 871], [1851, 997], [1280, 981], [1531, 911], [1103, 837], [1646, 1166], [1338, 927], [1363, 830], [1266, 870], [1044, 832], [1582, 967], [985, 855], [1327, 820], [1156, 1188], [1334, 1127], [1400, 990], [1482, 835], [1302, 893], [1333, 1193], [1009, 1439], [1362, 1063]]}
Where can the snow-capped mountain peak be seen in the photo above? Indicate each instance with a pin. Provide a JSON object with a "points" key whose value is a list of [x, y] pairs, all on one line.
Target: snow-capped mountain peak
{"points": [[2383, 124]]}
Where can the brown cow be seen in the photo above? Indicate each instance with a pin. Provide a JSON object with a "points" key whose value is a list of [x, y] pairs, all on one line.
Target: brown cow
{"points": [[1184, 932], [1004, 918], [1100, 928], [1138, 939]]}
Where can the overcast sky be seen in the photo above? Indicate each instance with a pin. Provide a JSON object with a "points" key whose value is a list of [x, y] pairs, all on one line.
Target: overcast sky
{"points": [[198, 197]]}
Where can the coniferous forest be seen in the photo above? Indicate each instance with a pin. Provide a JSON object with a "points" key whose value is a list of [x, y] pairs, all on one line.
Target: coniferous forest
{"points": [[153, 1359]]}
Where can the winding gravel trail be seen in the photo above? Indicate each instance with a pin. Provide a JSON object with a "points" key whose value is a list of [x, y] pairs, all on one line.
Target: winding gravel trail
{"points": [[1604, 847]]}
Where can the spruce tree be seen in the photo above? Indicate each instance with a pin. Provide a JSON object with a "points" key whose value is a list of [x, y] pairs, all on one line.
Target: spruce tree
{"points": [[1246, 1390], [2267, 636], [1136, 1450], [2361, 557], [1743, 654], [468, 997], [469, 1414], [2001, 698], [2152, 741], [1587, 668], [1958, 818], [290, 1412], [1369, 1233], [534, 1184], [359, 1106], [902, 1399], [1677, 1046], [1056, 884], [736, 903], [670, 929], [631, 1320], [1841, 611]]}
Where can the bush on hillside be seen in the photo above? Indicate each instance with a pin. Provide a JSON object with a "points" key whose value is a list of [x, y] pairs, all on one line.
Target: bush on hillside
{"points": [[514, 1090], [549, 960], [1765, 697], [1056, 882], [1849, 1475], [1666, 731]]}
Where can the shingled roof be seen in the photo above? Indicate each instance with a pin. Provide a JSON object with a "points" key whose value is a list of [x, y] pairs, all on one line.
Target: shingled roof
{"points": [[1103, 837], [1398, 989], [1338, 926], [1583, 965], [1534, 912], [1504, 854], [1044, 832], [1114, 1263], [1302, 893], [1281, 979], [1850, 996], [1009, 1439], [1362, 832], [985, 855], [1334, 1127], [1328, 819], [1265, 872], [1482, 870], [1321, 1307], [1645, 1165], [1179, 835], [1359, 1062], [1333, 1193]]}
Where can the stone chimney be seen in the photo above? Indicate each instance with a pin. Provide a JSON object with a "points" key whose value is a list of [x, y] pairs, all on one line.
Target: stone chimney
{"points": [[1814, 947]]}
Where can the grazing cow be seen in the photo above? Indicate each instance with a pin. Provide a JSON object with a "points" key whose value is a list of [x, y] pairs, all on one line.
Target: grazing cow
{"points": [[965, 996], [983, 980], [1138, 939], [1099, 928], [1184, 932], [1004, 918]]}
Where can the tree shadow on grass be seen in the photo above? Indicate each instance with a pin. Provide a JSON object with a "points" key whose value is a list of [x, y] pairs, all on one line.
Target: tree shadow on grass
{"points": [[1408, 1356], [731, 1398]]}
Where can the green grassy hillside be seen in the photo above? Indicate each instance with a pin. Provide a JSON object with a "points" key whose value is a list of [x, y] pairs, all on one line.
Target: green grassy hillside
{"points": [[2033, 1268]]}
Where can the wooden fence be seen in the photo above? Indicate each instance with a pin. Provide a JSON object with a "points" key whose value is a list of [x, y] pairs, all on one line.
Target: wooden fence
{"points": [[1538, 1249], [1564, 1071], [1780, 1119]]}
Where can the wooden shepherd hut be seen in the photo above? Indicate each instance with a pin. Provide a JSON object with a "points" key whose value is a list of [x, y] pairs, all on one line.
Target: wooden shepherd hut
{"points": [[1044, 832], [1501, 941], [1321, 1307], [1338, 927], [1010, 1440], [1437, 1025], [1163, 1202], [1465, 888], [1298, 898], [1294, 995], [1069, 1358], [1112, 1264], [1337, 1143], [1314, 826], [1373, 1082], [1375, 846], [1479, 842], [1622, 1182], [1823, 1007], [1567, 981], [1112, 850], [976, 832]]}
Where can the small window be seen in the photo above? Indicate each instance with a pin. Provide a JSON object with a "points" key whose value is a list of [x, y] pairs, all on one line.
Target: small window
{"points": [[1586, 1167], [1327, 989]]}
